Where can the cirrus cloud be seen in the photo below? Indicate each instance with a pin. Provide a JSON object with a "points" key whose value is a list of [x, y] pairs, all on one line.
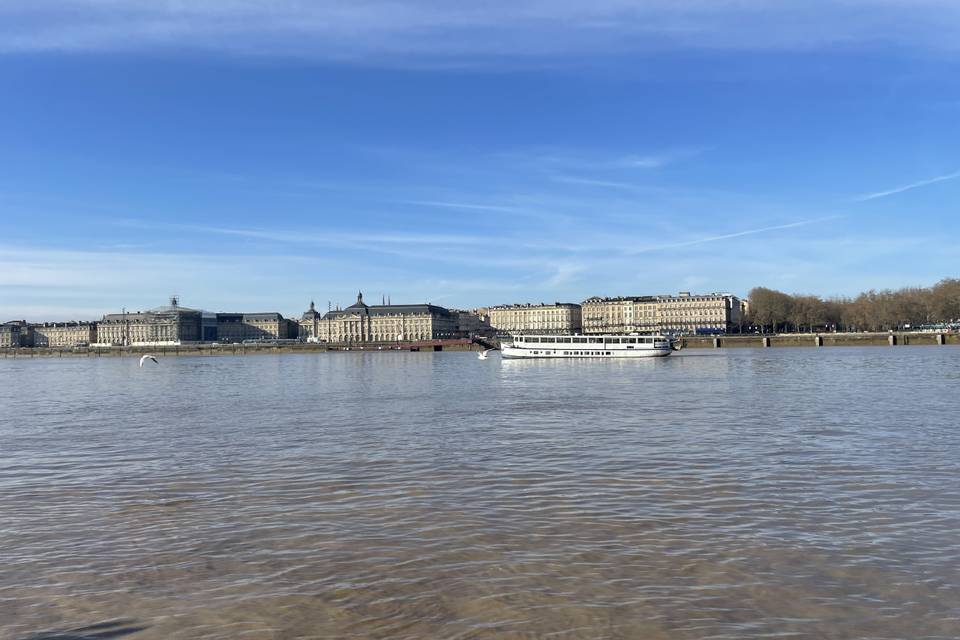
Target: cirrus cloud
{"points": [[435, 32]]}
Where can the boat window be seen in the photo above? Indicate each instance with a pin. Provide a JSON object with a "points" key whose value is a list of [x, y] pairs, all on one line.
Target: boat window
{"points": [[565, 340], [596, 340], [631, 347], [579, 340], [613, 340], [630, 341], [548, 340]]}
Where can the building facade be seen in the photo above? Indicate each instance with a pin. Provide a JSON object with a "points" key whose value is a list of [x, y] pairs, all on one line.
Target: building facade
{"points": [[518, 319], [473, 323], [621, 315], [310, 324], [683, 313], [64, 334], [16, 333], [700, 313], [171, 324], [360, 323], [237, 327]]}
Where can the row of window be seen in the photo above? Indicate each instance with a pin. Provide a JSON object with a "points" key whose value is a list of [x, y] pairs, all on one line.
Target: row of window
{"points": [[575, 353], [585, 340]]}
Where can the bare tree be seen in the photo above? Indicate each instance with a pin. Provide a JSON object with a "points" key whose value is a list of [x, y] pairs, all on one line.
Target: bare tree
{"points": [[869, 311]]}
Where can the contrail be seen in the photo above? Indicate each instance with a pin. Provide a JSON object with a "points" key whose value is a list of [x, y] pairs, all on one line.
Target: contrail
{"points": [[737, 234], [921, 183]]}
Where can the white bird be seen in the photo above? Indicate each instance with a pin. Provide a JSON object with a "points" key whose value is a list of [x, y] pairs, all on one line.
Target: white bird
{"points": [[146, 357], [483, 354]]}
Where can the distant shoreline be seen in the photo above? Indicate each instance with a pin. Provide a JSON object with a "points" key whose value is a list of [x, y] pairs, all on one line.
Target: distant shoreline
{"points": [[234, 349], [688, 342], [878, 339]]}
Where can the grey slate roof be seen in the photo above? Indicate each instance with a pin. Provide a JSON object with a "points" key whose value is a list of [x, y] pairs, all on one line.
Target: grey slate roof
{"points": [[387, 310], [361, 308]]}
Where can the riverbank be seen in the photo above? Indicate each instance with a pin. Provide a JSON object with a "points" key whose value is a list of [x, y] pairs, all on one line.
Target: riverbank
{"points": [[235, 349], [687, 342], [904, 338]]}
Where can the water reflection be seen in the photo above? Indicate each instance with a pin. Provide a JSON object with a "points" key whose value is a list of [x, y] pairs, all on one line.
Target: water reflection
{"points": [[99, 631]]}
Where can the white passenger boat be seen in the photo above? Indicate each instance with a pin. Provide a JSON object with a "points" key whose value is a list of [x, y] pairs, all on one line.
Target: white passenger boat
{"points": [[602, 346]]}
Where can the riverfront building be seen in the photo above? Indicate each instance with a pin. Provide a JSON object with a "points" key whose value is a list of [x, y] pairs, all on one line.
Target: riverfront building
{"points": [[683, 313], [237, 327], [518, 319], [473, 323], [621, 315], [704, 313], [361, 322], [16, 333], [174, 324], [64, 334], [170, 324]]}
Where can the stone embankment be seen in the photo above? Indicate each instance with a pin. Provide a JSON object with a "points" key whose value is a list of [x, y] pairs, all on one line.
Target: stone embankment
{"points": [[820, 340], [688, 342], [236, 349]]}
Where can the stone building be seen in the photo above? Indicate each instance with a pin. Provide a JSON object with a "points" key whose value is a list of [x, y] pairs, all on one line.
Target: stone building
{"points": [[700, 313], [237, 327], [64, 334], [556, 318], [621, 315], [361, 322], [310, 323], [16, 333], [683, 313], [170, 324], [473, 323]]}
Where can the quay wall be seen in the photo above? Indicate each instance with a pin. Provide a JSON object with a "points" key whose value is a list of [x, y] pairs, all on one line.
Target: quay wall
{"points": [[234, 349], [820, 340], [689, 342]]}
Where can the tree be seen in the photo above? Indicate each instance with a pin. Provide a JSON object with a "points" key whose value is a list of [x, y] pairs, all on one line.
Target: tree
{"points": [[769, 308]]}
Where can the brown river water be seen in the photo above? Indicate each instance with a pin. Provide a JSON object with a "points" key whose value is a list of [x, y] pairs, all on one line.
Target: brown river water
{"points": [[778, 493]]}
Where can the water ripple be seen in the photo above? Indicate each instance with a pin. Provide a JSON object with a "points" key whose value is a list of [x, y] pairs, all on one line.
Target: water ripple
{"points": [[749, 494]]}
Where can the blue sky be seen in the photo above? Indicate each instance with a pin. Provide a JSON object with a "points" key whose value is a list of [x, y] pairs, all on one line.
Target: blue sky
{"points": [[251, 158]]}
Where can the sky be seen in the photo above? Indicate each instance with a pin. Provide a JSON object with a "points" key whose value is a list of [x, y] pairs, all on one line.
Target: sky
{"points": [[254, 156]]}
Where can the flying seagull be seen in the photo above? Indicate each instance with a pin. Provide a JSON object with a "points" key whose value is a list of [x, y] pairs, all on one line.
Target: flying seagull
{"points": [[146, 357]]}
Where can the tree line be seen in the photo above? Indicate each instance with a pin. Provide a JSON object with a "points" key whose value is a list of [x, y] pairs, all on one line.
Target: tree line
{"points": [[911, 307]]}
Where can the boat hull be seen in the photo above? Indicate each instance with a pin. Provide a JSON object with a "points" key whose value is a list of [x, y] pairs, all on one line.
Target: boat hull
{"points": [[511, 353]]}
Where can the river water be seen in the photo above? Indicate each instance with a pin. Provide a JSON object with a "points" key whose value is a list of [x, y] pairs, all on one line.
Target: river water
{"points": [[807, 493]]}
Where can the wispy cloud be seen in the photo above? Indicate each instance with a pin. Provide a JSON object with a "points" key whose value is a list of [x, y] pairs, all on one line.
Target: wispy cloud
{"points": [[347, 240], [658, 160], [907, 187], [564, 273], [425, 30], [730, 236], [472, 206], [560, 161], [610, 184]]}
